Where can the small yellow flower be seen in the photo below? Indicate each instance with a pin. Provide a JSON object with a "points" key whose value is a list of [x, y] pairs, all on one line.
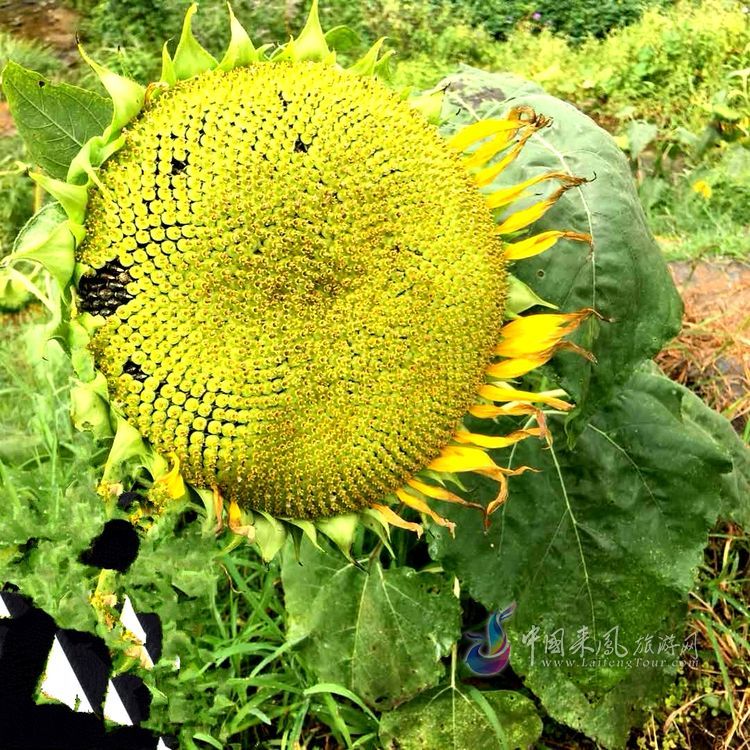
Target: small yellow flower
{"points": [[703, 189]]}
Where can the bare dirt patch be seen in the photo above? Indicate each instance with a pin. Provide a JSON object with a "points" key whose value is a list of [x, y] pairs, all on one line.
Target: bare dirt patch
{"points": [[6, 121], [46, 21], [712, 353]]}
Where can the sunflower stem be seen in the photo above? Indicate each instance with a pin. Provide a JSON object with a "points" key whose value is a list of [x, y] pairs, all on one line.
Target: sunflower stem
{"points": [[376, 552], [454, 648]]}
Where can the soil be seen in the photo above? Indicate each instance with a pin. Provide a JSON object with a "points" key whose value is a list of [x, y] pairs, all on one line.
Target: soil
{"points": [[712, 353], [6, 121], [46, 21]]}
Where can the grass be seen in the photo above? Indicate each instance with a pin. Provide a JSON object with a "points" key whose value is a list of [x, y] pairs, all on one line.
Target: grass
{"points": [[248, 683], [28, 53], [265, 693], [709, 706], [697, 205], [16, 191], [715, 239]]}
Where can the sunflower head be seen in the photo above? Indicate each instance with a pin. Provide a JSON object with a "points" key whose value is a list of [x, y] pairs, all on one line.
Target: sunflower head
{"points": [[288, 290], [280, 290]]}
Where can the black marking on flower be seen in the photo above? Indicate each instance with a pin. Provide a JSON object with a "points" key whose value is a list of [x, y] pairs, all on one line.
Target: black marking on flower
{"points": [[134, 370], [179, 165], [102, 292]]}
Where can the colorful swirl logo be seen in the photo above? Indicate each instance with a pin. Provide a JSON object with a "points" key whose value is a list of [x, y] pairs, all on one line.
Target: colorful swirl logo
{"points": [[489, 652]]}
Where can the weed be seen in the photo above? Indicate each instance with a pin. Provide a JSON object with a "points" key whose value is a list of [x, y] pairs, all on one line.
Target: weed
{"points": [[710, 703]]}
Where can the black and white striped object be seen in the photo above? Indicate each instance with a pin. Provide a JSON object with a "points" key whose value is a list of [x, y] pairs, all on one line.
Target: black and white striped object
{"points": [[76, 672], [71, 672], [145, 627]]}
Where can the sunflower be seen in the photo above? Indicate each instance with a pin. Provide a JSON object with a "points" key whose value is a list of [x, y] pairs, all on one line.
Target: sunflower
{"points": [[284, 290]]}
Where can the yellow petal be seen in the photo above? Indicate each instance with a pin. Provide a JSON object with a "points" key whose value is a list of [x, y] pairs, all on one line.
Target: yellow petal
{"points": [[500, 498], [490, 411], [505, 393], [504, 196], [235, 514], [489, 173], [537, 334], [431, 490], [495, 441], [236, 524], [218, 501], [459, 458], [395, 520], [500, 475], [514, 368], [491, 149], [539, 243], [420, 505], [440, 493], [522, 219], [172, 480], [531, 123], [480, 130]]}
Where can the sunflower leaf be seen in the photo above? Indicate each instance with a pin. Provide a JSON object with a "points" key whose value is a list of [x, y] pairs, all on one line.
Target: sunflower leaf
{"points": [[600, 549], [127, 96], [736, 484], [54, 120], [622, 275], [380, 633], [449, 717], [55, 252], [521, 297]]}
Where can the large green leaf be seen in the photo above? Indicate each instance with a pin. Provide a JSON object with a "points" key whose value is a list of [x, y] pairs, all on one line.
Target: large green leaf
{"points": [[735, 486], [607, 537], [54, 120], [379, 632], [622, 276], [456, 717]]}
